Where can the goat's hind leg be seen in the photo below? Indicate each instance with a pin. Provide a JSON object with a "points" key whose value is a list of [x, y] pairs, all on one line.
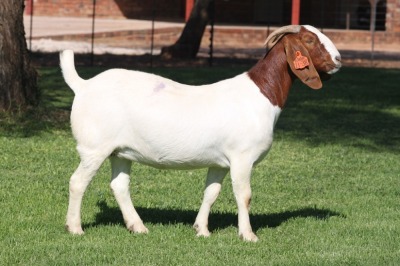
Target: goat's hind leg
{"points": [[213, 187], [77, 186], [120, 186]]}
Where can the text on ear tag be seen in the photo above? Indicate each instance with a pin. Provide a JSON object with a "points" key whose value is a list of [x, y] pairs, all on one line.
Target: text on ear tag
{"points": [[300, 61]]}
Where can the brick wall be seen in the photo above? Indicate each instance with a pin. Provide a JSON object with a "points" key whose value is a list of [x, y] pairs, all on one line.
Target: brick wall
{"points": [[360, 36], [254, 37], [73, 8], [227, 37], [226, 11], [232, 11], [167, 10]]}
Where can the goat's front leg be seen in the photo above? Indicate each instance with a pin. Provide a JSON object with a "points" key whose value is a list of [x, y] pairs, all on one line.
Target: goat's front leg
{"points": [[120, 186], [240, 174], [213, 187]]}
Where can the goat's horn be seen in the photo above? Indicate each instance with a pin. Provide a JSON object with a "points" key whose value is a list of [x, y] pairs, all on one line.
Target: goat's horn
{"points": [[275, 36]]}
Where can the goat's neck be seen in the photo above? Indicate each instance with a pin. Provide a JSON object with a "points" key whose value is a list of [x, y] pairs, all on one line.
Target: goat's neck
{"points": [[273, 76]]}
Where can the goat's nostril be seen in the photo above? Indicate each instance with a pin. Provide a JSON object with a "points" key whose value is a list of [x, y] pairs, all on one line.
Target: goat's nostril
{"points": [[338, 58]]}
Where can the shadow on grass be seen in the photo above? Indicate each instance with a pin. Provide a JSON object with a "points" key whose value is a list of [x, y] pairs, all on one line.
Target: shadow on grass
{"points": [[357, 108], [113, 216], [33, 123], [372, 130]]}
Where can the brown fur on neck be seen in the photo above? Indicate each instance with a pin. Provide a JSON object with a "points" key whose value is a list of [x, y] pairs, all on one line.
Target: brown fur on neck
{"points": [[273, 76]]}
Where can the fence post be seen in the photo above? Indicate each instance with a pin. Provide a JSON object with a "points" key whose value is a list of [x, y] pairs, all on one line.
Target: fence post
{"points": [[31, 24], [152, 34], [373, 3], [295, 12], [93, 22], [322, 15], [188, 9], [212, 16]]}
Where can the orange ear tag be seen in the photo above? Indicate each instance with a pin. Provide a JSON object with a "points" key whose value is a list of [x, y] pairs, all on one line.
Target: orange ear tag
{"points": [[300, 61]]}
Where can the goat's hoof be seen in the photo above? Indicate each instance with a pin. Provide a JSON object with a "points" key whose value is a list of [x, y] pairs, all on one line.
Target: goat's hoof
{"points": [[249, 237], [138, 229], [202, 231], [203, 234], [74, 231]]}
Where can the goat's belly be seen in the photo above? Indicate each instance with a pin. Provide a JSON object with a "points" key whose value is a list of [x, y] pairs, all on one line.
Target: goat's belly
{"points": [[175, 160]]}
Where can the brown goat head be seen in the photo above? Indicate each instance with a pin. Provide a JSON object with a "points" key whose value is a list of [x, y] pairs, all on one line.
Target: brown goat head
{"points": [[310, 54]]}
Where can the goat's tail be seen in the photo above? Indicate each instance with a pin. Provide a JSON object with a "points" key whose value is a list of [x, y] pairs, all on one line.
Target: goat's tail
{"points": [[71, 77]]}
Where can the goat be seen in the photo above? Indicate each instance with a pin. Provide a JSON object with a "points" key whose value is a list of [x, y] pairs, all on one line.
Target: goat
{"points": [[226, 126]]}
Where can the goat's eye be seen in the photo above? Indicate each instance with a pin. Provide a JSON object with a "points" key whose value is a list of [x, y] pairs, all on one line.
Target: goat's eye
{"points": [[309, 40]]}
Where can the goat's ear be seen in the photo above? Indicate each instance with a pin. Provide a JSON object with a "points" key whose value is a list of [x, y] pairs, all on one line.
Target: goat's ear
{"points": [[300, 62]]}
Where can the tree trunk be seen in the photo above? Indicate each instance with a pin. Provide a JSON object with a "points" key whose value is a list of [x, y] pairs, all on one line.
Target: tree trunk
{"points": [[188, 44], [18, 78]]}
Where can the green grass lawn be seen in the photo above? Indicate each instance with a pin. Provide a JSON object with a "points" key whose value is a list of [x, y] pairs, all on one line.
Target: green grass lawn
{"points": [[328, 193]]}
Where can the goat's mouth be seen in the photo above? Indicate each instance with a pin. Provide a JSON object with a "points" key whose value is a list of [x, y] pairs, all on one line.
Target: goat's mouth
{"points": [[328, 70], [335, 69]]}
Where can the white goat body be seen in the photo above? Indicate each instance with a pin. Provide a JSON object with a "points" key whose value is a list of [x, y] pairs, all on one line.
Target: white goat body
{"points": [[162, 123], [226, 126]]}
